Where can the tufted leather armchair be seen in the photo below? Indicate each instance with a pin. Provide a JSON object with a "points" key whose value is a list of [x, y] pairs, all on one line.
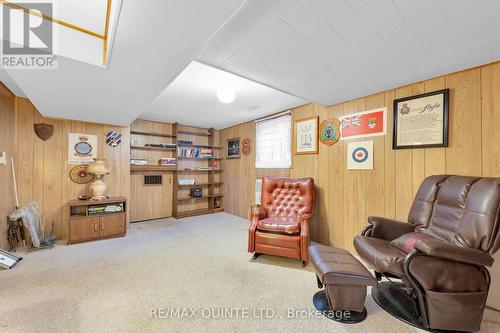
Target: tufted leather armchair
{"points": [[281, 224]]}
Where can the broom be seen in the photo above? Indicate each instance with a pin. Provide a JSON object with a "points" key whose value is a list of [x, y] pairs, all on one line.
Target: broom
{"points": [[21, 227]]}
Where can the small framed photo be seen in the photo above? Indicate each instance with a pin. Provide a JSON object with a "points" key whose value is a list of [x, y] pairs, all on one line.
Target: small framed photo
{"points": [[233, 148], [421, 121], [306, 135]]}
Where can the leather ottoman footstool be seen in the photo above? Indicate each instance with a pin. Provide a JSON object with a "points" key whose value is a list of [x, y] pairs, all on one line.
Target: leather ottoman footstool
{"points": [[344, 279]]}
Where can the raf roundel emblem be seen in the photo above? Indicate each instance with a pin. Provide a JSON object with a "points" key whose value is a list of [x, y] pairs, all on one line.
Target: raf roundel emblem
{"points": [[360, 154], [113, 138]]}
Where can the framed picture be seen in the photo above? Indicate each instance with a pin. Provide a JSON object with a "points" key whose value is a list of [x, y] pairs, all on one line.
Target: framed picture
{"points": [[233, 148], [421, 121], [306, 136]]}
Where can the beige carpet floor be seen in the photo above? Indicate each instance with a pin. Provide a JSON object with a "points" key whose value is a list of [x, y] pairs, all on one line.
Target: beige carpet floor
{"points": [[197, 263]]}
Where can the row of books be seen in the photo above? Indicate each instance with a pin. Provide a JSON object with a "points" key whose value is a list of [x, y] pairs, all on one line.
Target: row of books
{"points": [[167, 161], [161, 161], [161, 145], [195, 152]]}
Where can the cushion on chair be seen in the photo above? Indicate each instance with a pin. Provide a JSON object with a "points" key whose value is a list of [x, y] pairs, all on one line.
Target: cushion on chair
{"points": [[406, 241], [380, 254], [286, 225]]}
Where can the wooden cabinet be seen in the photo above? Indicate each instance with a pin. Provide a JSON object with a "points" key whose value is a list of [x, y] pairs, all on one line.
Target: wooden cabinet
{"points": [[83, 227], [112, 225]]}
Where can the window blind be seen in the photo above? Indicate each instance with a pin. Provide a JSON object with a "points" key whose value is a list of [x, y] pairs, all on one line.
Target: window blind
{"points": [[273, 140]]}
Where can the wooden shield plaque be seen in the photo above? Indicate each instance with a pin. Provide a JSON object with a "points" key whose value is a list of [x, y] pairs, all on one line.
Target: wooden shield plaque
{"points": [[329, 131], [245, 146], [44, 131]]}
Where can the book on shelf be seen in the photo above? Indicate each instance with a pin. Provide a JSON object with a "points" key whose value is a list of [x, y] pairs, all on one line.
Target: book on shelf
{"points": [[187, 181], [167, 161], [195, 152], [138, 161], [161, 145], [216, 164], [185, 142]]}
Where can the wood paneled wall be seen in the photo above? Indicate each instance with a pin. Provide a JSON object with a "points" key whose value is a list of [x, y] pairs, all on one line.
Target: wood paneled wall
{"points": [[346, 197], [7, 145], [43, 169]]}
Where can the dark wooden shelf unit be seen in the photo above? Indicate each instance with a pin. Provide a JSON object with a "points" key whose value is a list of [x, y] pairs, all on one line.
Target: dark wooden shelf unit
{"points": [[184, 205]]}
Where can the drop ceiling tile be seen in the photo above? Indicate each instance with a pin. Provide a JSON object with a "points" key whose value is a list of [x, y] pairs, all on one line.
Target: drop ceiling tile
{"points": [[375, 45], [369, 19], [277, 36], [326, 44], [309, 17], [410, 8], [214, 54], [233, 35], [259, 13]]}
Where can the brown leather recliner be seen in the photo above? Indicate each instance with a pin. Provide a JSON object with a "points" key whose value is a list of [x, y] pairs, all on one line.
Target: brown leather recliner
{"points": [[441, 253], [281, 224]]}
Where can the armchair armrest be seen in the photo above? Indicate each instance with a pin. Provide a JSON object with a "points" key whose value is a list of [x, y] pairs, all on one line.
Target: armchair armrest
{"points": [[388, 229], [439, 249], [256, 214], [256, 210]]}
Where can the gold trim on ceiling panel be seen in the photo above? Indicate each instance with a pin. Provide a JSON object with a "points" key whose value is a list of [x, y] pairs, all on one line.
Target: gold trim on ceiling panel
{"points": [[69, 25]]}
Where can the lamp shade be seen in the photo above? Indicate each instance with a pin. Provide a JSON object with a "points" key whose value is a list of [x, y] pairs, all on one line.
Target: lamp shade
{"points": [[98, 167]]}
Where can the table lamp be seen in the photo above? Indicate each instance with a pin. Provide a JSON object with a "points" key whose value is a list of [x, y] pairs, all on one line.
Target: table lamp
{"points": [[98, 186]]}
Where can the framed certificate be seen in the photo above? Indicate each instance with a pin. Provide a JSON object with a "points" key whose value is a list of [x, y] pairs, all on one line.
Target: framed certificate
{"points": [[421, 121], [306, 136]]}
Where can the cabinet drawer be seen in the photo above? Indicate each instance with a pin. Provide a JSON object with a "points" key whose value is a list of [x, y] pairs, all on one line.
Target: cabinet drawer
{"points": [[85, 228], [112, 225]]}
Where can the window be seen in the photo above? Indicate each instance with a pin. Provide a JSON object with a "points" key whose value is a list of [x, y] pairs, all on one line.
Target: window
{"points": [[272, 143]]}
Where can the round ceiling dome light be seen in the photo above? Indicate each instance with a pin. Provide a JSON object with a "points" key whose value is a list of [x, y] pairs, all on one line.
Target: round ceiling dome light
{"points": [[226, 94]]}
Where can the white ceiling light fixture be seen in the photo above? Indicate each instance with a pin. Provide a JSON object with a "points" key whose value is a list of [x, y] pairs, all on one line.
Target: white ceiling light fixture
{"points": [[226, 94]]}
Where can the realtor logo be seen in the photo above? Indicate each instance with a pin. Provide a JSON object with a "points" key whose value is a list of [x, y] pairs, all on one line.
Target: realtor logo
{"points": [[27, 38]]}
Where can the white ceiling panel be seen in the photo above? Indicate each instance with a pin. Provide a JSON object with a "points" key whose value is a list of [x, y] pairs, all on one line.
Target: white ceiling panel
{"points": [[332, 51], [192, 99]]}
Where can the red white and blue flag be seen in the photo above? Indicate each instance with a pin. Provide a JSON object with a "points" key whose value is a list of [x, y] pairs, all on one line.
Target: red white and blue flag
{"points": [[364, 124], [351, 121]]}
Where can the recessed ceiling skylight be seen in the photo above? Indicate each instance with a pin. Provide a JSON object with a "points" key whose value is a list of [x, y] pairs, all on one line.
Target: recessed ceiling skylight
{"points": [[82, 30]]}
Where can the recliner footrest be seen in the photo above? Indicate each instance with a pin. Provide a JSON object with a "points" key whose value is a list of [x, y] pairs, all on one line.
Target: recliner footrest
{"points": [[344, 277]]}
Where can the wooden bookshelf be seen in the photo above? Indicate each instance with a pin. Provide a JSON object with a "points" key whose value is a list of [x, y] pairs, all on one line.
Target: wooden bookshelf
{"points": [[209, 181]]}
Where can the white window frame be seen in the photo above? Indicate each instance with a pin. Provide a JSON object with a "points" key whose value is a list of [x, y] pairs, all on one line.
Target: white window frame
{"points": [[283, 131]]}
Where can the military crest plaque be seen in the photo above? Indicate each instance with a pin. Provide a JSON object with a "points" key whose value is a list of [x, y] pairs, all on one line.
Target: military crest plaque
{"points": [[329, 130]]}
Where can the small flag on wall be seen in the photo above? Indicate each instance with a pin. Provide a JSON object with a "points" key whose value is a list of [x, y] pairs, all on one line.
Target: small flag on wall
{"points": [[360, 155], [364, 124]]}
